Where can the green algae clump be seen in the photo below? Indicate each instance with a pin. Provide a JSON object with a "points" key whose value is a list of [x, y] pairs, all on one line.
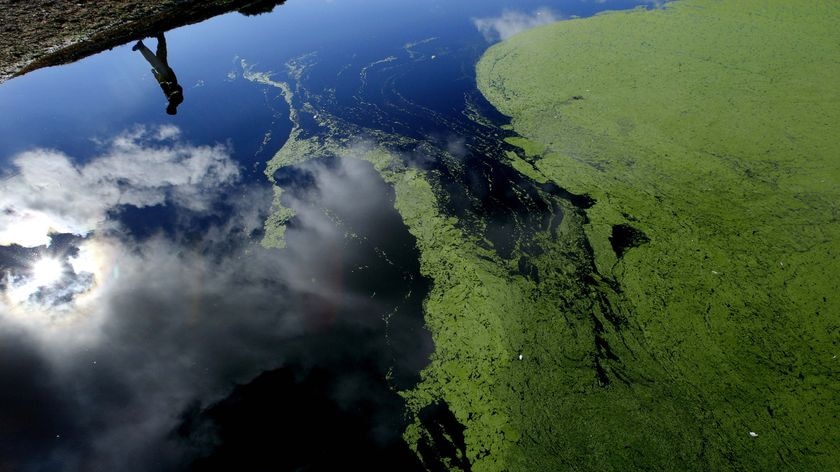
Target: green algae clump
{"points": [[709, 129]]}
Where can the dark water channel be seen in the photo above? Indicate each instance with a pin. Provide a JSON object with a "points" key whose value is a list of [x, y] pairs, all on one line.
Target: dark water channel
{"points": [[143, 327]]}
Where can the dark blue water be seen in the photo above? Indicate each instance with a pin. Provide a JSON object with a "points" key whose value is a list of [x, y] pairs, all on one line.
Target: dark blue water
{"points": [[169, 339], [65, 107]]}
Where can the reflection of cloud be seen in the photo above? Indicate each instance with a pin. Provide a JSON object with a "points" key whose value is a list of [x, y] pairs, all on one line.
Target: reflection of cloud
{"points": [[175, 321], [176, 326], [50, 193], [510, 23]]}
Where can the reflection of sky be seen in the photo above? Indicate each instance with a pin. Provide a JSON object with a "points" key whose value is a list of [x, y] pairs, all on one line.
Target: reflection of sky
{"points": [[74, 109], [65, 107], [162, 298], [156, 325], [49, 193]]}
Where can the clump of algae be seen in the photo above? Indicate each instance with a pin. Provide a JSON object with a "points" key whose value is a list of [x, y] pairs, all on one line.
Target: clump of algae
{"points": [[711, 127]]}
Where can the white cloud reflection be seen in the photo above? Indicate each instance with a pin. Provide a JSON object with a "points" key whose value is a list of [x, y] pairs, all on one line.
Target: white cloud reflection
{"points": [[512, 22], [50, 193], [147, 327]]}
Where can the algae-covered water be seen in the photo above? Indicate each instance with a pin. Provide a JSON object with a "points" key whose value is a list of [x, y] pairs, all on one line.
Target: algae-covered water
{"points": [[365, 240]]}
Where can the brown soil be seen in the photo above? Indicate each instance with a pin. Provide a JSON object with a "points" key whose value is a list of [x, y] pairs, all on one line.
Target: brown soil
{"points": [[42, 33]]}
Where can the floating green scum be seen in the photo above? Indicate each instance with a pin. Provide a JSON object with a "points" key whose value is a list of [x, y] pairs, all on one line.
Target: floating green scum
{"points": [[690, 318], [710, 127]]}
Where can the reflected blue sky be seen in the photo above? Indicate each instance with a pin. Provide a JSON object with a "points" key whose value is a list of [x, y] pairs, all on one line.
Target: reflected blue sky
{"points": [[66, 107]]}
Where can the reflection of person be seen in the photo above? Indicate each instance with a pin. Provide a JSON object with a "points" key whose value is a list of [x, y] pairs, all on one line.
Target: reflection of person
{"points": [[163, 73]]}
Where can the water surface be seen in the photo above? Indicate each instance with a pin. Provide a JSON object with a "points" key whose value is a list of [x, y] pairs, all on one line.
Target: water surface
{"points": [[143, 325]]}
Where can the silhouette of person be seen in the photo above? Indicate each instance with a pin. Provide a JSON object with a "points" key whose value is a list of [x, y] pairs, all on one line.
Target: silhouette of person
{"points": [[163, 73]]}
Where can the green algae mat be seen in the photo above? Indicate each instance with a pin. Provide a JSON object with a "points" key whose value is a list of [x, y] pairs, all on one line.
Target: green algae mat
{"points": [[708, 132], [689, 318]]}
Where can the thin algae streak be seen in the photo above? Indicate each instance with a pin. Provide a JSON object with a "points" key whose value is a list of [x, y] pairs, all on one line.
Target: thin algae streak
{"points": [[707, 131]]}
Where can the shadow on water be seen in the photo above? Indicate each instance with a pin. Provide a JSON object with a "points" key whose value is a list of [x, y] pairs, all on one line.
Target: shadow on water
{"points": [[334, 404], [296, 419], [444, 448]]}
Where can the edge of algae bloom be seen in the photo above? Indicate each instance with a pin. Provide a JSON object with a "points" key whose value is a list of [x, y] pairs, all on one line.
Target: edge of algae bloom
{"points": [[532, 368], [710, 128]]}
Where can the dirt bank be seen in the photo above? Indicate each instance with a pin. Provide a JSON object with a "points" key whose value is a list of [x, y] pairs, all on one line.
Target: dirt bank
{"points": [[43, 33]]}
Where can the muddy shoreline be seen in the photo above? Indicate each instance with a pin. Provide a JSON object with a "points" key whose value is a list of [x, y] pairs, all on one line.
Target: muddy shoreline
{"points": [[44, 33]]}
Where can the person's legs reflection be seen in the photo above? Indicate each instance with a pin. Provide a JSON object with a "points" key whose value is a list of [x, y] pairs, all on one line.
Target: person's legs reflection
{"points": [[163, 73]]}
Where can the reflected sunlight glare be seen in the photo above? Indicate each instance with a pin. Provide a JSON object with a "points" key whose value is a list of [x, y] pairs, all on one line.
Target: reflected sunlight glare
{"points": [[46, 271], [58, 291]]}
